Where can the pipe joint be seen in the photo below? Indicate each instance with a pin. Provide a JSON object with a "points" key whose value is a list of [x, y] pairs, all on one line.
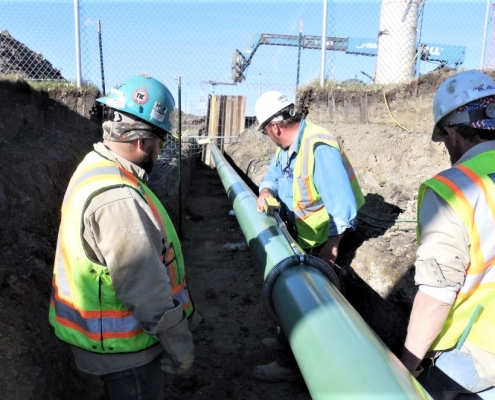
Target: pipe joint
{"points": [[277, 270]]}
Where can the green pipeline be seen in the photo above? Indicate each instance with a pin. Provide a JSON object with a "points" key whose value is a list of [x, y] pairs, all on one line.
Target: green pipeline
{"points": [[338, 354]]}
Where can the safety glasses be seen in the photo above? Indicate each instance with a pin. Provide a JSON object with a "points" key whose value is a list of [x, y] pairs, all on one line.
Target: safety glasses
{"points": [[264, 131]]}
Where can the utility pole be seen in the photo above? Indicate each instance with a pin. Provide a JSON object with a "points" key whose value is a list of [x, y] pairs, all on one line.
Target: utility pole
{"points": [[78, 44], [323, 44], [483, 46], [299, 53]]}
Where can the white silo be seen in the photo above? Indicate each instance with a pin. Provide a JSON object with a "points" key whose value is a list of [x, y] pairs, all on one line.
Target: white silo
{"points": [[397, 41]]}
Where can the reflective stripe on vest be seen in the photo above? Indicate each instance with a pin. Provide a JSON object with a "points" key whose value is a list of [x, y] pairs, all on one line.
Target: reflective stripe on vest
{"points": [[93, 317], [469, 190], [311, 216]]}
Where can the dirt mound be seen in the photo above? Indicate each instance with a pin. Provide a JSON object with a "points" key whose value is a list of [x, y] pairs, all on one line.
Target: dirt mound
{"points": [[407, 106], [18, 59]]}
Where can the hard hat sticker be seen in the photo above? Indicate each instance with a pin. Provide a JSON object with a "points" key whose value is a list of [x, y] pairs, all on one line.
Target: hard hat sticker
{"points": [[115, 103], [117, 93], [158, 112], [481, 88], [140, 96], [115, 99]]}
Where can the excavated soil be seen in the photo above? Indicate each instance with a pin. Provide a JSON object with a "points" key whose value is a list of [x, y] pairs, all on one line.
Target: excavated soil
{"points": [[43, 135]]}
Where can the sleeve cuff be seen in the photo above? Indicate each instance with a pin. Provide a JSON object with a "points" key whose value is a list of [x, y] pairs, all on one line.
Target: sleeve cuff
{"points": [[445, 295], [339, 225], [168, 320], [268, 185]]}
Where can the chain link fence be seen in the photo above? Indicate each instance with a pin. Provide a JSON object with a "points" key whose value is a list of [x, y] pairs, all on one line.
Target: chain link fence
{"points": [[242, 47]]}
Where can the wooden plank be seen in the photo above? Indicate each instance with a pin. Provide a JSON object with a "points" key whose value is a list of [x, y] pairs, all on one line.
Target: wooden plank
{"points": [[347, 108], [221, 120], [214, 110], [331, 105], [364, 108], [242, 114], [206, 156], [229, 117], [208, 111], [235, 120], [226, 117]]}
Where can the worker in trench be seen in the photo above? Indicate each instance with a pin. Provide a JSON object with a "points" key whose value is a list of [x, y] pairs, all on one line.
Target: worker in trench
{"points": [[452, 322], [119, 293], [319, 197]]}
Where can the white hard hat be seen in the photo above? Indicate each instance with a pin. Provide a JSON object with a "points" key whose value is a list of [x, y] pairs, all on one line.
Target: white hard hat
{"points": [[268, 106], [457, 91]]}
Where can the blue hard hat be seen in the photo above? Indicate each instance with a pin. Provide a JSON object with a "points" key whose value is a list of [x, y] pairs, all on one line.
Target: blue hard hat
{"points": [[144, 97]]}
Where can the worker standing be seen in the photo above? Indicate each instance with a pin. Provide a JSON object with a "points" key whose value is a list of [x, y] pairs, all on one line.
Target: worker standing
{"points": [[452, 322], [119, 294], [319, 196]]}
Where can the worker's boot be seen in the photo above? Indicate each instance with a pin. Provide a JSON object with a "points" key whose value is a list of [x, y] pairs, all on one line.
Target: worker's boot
{"points": [[270, 345], [274, 372]]}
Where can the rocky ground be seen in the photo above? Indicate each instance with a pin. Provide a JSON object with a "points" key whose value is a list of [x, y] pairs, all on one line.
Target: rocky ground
{"points": [[44, 135]]}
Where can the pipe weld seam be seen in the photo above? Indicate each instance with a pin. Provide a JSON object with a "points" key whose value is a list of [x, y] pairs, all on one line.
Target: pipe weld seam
{"points": [[283, 265]]}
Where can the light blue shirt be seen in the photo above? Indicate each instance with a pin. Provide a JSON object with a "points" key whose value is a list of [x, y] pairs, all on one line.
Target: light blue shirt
{"points": [[330, 179]]}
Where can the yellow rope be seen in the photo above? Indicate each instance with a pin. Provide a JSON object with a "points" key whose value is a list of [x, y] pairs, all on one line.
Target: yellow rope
{"points": [[390, 113], [386, 102]]}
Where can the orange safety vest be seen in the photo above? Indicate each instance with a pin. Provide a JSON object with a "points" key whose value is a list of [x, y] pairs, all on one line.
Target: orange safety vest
{"points": [[469, 190]]}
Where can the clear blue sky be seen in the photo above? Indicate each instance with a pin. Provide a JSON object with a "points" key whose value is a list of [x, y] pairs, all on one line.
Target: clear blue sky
{"points": [[196, 39]]}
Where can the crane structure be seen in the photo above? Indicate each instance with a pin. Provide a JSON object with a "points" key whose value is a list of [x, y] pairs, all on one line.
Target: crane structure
{"points": [[216, 83], [444, 55]]}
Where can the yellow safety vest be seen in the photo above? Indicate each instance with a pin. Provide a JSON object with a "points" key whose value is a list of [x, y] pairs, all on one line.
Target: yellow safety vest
{"points": [[470, 191], [312, 219], [85, 310]]}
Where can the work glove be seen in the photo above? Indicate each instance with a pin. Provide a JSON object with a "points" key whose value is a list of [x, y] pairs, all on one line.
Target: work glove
{"points": [[177, 368], [173, 333]]}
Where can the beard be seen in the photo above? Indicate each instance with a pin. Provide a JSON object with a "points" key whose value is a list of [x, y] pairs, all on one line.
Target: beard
{"points": [[455, 153], [147, 163], [455, 156]]}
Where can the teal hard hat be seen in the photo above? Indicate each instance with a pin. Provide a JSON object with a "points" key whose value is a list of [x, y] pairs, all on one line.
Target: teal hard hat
{"points": [[144, 97]]}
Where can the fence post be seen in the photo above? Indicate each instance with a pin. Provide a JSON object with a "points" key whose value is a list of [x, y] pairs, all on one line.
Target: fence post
{"points": [[78, 43]]}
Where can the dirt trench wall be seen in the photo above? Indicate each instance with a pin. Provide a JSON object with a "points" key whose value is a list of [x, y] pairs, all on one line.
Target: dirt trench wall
{"points": [[43, 135], [387, 105]]}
